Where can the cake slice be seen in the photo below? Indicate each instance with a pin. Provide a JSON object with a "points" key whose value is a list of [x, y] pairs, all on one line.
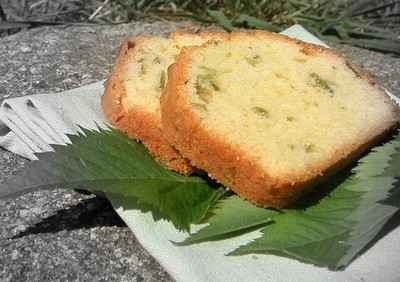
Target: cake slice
{"points": [[269, 116], [131, 99]]}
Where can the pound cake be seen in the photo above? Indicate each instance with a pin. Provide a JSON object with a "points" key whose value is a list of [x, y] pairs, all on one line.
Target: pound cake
{"points": [[269, 116], [131, 99]]}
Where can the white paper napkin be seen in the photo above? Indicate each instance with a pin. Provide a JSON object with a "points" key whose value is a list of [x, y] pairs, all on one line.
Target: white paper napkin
{"points": [[29, 124]]}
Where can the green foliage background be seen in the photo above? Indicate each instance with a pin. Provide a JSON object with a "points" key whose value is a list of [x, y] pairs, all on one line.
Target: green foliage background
{"points": [[373, 24]]}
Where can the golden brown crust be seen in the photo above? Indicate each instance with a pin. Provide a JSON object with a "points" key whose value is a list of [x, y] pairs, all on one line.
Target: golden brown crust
{"points": [[229, 164], [135, 122]]}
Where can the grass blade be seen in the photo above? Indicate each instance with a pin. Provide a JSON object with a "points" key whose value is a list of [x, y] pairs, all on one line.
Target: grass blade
{"points": [[220, 17]]}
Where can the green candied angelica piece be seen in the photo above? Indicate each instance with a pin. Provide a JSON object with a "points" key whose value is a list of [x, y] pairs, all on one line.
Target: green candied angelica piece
{"points": [[162, 79], [206, 84], [253, 60], [261, 111], [309, 147], [317, 81]]}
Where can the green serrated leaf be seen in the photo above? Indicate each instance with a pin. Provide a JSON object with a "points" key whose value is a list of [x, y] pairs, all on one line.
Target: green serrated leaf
{"points": [[332, 232], [232, 216], [378, 161], [109, 162]]}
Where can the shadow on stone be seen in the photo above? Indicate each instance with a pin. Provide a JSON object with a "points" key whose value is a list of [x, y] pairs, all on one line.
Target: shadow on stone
{"points": [[88, 213]]}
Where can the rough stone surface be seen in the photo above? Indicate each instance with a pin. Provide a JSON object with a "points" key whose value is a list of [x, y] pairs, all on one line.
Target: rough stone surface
{"points": [[64, 236]]}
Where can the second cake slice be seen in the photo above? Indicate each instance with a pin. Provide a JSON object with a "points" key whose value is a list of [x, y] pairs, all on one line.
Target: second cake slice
{"points": [[269, 116]]}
